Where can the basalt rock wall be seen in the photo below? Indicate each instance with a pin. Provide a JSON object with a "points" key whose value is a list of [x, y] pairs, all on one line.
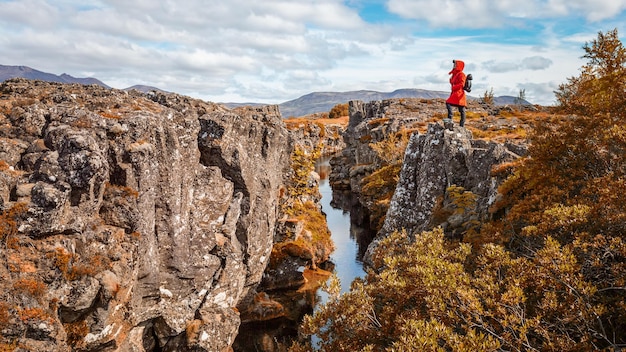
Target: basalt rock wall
{"points": [[132, 222], [310, 135], [440, 166], [440, 163], [438, 159], [370, 123]]}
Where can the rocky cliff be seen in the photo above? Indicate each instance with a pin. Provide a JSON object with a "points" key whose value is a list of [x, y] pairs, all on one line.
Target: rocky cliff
{"points": [[370, 123], [315, 132], [131, 222], [445, 178]]}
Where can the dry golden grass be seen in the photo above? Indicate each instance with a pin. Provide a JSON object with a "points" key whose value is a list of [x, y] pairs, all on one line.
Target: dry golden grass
{"points": [[110, 115], [297, 122], [505, 168], [76, 332], [5, 108], [508, 125], [34, 314], [378, 122]]}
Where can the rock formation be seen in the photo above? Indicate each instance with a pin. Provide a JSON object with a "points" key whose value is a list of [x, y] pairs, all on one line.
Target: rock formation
{"points": [[310, 134], [370, 123], [439, 164], [132, 222], [301, 244], [445, 157]]}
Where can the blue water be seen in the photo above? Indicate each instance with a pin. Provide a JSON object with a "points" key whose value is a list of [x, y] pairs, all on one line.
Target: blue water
{"points": [[345, 257], [348, 266]]}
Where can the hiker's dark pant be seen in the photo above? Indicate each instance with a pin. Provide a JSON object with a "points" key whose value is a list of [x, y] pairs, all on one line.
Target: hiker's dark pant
{"points": [[461, 110]]}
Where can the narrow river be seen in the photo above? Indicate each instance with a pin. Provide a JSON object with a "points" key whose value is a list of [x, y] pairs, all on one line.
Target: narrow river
{"points": [[347, 256]]}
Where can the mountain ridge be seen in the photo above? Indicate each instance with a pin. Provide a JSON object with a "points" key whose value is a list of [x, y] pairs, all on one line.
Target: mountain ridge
{"points": [[145, 89], [8, 72], [311, 103], [324, 101], [317, 102]]}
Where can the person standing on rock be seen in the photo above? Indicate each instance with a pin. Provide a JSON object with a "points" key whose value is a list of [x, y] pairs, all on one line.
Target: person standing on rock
{"points": [[457, 97]]}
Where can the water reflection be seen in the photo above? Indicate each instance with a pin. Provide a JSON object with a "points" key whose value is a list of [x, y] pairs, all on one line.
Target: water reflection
{"points": [[360, 232], [339, 208]]}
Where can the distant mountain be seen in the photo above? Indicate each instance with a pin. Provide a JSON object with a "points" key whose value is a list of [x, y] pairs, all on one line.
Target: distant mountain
{"points": [[307, 104], [144, 89], [509, 100], [237, 105], [8, 72], [324, 101]]}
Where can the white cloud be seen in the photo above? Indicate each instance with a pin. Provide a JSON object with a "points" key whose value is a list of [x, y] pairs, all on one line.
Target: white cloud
{"points": [[328, 14], [539, 92], [217, 39], [277, 50], [500, 66], [596, 10], [536, 63], [533, 63], [498, 13], [36, 13]]}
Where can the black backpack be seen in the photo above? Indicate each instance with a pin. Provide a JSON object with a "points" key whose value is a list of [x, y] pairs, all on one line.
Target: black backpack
{"points": [[468, 83]]}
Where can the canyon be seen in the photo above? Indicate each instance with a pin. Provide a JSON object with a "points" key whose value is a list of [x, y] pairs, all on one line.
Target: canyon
{"points": [[150, 221]]}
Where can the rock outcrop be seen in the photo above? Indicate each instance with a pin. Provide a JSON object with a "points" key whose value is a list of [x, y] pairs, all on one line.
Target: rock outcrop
{"points": [[439, 167], [370, 123], [132, 222], [302, 244], [441, 163], [311, 134], [437, 160]]}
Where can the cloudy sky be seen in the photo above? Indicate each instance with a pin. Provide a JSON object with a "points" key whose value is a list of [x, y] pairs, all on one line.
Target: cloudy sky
{"points": [[273, 51]]}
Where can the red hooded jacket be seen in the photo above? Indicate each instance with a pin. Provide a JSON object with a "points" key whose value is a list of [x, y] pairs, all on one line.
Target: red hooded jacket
{"points": [[457, 97]]}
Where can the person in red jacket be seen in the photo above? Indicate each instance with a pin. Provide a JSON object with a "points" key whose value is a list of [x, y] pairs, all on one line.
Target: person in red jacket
{"points": [[457, 97]]}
